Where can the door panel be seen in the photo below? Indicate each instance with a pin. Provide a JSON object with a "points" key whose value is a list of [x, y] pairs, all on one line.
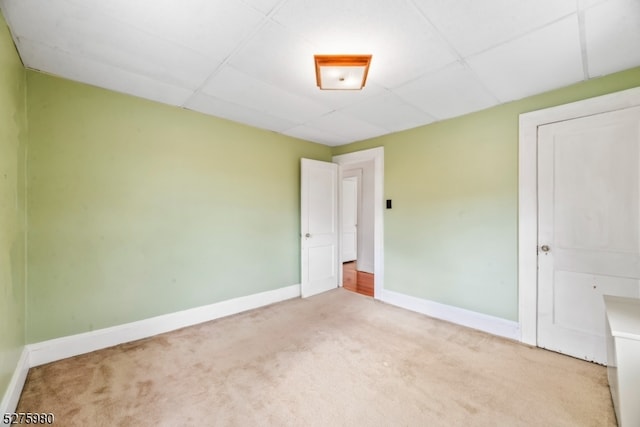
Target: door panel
{"points": [[319, 226], [588, 289], [321, 196], [321, 261], [589, 211]]}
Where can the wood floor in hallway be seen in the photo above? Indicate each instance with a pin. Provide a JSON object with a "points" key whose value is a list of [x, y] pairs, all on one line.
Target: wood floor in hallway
{"points": [[356, 281]]}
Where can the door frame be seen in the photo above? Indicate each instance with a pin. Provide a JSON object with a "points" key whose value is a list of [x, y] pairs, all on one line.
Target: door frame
{"points": [[528, 193], [377, 155]]}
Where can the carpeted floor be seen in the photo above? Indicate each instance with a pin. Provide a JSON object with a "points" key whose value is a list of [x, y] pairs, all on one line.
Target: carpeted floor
{"points": [[336, 359]]}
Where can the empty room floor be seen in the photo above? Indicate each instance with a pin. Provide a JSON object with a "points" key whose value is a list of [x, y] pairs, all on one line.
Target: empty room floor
{"points": [[338, 358]]}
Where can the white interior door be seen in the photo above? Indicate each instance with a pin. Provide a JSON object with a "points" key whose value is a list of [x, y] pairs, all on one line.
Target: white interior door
{"points": [[319, 226], [589, 233], [349, 218]]}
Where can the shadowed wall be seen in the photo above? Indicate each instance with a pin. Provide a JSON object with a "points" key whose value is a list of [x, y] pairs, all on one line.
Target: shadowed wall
{"points": [[138, 209], [13, 138]]}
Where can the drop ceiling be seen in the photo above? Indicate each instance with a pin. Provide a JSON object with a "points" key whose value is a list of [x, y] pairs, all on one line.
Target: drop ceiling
{"points": [[251, 61]]}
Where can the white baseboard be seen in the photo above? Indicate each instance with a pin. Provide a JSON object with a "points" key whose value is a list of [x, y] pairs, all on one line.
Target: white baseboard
{"points": [[483, 322], [14, 389], [62, 348], [73, 345]]}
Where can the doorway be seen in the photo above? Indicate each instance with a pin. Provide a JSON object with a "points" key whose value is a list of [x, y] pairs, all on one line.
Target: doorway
{"points": [[357, 232], [320, 232], [361, 249], [351, 208], [548, 267], [353, 278]]}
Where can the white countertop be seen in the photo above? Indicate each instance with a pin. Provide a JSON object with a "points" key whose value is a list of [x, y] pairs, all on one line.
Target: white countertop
{"points": [[624, 316]]}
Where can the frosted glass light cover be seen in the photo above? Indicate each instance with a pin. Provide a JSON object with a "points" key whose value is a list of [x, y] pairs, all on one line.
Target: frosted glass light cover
{"points": [[342, 72]]}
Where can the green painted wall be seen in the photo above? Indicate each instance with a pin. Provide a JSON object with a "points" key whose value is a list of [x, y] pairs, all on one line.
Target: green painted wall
{"points": [[13, 138], [451, 236], [138, 209]]}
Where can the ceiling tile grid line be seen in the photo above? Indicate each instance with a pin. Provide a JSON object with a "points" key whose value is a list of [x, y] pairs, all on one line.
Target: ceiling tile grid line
{"points": [[440, 34], [236, 112], [252, 61], [449, 46], [186, 76], [459, 58], [586, 4], [613, 36], [535, 63], [92, 73], [396, 35], [114, 50], [158, 33], [523, 34], [238, 47], [185, 27], [263, 6], [472, 27], [583, 43], [291, 67], [230, 84]]}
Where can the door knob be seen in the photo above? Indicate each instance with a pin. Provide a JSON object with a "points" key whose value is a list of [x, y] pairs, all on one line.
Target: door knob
{"points": [[545, 248], [307, 235]]}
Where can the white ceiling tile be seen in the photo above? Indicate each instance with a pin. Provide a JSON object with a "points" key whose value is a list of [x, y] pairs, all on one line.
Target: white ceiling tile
{"points": [[236, 87], [537, 62], [337, 99], [340, 26], [403, 45], [446, 93], [411, 49], [264, 6], [56, 62], [346, 126], [264, 55], [316, 135], [237, 113], [252, 60], [585, 4], [86, 35], [5, 8], [613, 36], [31, 17], [473, 26], [211, 27], [390, 112]]}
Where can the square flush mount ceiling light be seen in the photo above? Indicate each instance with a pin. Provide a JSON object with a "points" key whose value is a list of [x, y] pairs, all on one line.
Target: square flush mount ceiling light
{"points": [[342, 72]]}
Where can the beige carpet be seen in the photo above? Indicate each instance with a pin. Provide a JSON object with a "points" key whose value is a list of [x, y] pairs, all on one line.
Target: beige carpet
{"points": [[337, 359]]}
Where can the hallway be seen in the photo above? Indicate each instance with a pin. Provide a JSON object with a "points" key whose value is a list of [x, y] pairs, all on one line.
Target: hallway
{"points": [[356, 281]]}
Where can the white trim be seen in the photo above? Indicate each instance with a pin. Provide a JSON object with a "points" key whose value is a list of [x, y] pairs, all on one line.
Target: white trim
{"points": [[471, 319], [377, 155], [14, 389], [528, 193], [73, 345]]}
